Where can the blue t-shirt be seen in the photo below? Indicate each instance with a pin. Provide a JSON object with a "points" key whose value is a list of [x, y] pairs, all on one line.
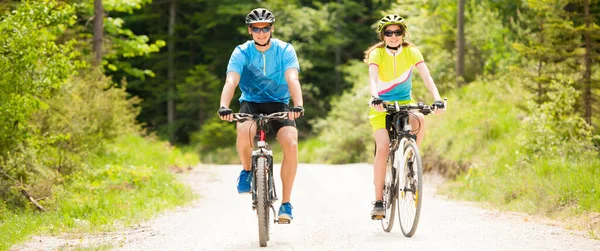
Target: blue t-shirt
{"points": [[262, 74]]}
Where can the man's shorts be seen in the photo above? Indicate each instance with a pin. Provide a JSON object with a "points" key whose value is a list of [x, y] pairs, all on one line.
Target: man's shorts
{"points": [[268, 108], [378, 119]]}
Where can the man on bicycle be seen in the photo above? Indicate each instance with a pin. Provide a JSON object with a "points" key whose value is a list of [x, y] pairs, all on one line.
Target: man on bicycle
{"points": [[266, 70]]}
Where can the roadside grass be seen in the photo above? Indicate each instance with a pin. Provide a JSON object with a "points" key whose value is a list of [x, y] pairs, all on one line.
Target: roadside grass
{"points": [[482, 129], [129, 182]]}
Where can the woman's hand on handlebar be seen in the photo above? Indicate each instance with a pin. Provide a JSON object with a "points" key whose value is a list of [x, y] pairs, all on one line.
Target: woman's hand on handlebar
{"points": [[377, 103], [439, 107]]}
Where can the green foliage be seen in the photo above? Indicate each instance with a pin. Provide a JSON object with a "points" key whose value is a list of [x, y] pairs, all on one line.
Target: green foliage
{"points": [[120, 43], [32, 65], [215, 134], [481, 121], [346, 128], [198, 101], [554, 129], [432, 27], [125, 183], [539, 162]]}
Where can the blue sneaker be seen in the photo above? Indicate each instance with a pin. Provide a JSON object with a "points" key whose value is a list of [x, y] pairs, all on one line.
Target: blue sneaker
{"points": [[285, 213], [244, 182]]}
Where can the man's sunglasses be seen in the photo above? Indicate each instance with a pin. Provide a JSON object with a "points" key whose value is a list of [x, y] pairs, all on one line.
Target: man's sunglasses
{"points": [[389, 33], [263, 29]]}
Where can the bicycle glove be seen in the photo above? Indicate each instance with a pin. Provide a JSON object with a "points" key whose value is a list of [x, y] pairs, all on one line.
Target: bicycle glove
{"points": [[224, 111], [376, 101], [439, 104], [298, 108]]}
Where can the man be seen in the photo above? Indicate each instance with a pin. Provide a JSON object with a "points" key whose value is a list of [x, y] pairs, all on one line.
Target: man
{"points": [[266, 70]]}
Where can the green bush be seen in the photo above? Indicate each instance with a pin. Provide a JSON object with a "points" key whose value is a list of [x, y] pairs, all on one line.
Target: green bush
{"points": [[346, 128], [215, 134], [33, 67], [554, 127]]}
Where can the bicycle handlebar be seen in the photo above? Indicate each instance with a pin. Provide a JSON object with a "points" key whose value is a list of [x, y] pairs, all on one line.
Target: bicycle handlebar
{"points": [[242, 117], [425, 109]]}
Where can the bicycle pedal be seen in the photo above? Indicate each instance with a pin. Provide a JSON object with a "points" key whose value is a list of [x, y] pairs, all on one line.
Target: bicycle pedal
{"points": [[283, 221], [377, 217]]}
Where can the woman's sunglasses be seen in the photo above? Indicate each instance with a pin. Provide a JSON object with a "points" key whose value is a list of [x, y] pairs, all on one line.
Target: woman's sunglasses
{"points": [[263, 29], [389, 33]]}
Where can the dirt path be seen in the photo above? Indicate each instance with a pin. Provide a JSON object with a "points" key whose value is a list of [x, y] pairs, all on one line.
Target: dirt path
{"points": [[331, 210]]}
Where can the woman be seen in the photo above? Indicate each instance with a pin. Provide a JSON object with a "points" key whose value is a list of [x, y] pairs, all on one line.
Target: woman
{"points": [[391, 63]]}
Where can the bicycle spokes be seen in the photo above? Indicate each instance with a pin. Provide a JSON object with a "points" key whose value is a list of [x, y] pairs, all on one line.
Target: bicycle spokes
{"points": [[409, 206]]}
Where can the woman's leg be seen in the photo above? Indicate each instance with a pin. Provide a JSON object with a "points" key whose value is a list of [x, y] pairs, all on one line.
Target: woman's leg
{"points": [[382, 148]]}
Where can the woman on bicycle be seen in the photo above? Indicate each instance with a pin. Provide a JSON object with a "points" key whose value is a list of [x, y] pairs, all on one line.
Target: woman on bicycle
{"points": [[391, 62]]}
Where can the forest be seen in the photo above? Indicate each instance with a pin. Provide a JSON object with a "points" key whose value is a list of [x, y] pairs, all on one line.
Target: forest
{"points": [[113, 95]]}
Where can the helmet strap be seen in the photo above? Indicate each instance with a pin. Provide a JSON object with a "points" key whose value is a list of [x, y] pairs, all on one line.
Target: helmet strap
{"points": [[265, 44], [392, 48]]}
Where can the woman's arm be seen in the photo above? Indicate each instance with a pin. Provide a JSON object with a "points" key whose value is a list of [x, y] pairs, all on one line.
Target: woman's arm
{"points": [[426, 76]]}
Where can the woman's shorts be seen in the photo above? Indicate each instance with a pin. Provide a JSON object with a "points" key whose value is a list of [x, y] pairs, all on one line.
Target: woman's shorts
{"points": [[378, 119]]}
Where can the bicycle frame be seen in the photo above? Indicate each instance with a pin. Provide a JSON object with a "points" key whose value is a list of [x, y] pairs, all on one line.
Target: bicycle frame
{"points": [[400, 130], [407, 181], [262, 151]]}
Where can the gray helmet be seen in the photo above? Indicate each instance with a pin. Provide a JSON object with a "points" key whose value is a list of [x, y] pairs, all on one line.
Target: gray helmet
{"points": [[260, 15]]}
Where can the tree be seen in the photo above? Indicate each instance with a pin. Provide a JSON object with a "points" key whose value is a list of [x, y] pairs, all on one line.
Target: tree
{"points": [[171, 71], [460, 42], [98, 31]]}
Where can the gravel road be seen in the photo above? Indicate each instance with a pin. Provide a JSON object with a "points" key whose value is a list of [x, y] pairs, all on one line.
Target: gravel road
{"points": [[331, 209]]}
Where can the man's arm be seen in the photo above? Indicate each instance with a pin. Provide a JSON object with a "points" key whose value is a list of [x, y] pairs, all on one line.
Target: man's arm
{"points": [[291, 76], [231, 82]]}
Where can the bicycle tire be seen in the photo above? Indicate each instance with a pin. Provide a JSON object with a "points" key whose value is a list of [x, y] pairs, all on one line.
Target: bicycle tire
{"points": [[389, 194], [410, 187], [262, 207]]}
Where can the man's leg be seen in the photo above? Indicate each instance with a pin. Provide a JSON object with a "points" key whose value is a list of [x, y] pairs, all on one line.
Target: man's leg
{"points": [[288, 139], [245, 135]]}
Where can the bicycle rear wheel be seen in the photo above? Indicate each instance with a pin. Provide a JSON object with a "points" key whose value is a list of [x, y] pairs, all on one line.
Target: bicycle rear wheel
{"points": [[389, 194], [410, 187], [262, 207]]}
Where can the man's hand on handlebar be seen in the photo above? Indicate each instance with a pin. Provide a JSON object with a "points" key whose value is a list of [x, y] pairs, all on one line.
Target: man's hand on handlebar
{"points": [[225, 113], [296, 112]]}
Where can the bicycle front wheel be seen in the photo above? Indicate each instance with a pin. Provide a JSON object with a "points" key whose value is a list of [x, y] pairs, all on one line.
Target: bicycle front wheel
{"points": [[389, 194], [262, 207], [410, 187]]}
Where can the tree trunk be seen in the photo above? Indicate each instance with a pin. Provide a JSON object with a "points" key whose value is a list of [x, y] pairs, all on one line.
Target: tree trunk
{"points": [[460, 43], [338, 52], [540, 66], [171, 73], [98, 32], [587, 75]]}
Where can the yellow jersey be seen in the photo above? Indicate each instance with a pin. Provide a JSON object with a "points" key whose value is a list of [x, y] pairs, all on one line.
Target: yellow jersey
{"points": [[395, 71]]}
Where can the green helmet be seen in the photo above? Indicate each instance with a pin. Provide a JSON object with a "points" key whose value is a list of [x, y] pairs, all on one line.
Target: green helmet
{"points": [[390, 20]]}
